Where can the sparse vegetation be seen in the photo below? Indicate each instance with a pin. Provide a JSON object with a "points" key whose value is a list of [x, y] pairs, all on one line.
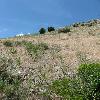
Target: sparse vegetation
{"points": [[10, 85], [8, 43], [76, 25], [64, 66], [64, 30], [13, 50], [17, 43], [35, 50], [18, 61]]}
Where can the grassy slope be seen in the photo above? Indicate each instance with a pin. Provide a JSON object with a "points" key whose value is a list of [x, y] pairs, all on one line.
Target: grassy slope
{"points": [[65, 53]]}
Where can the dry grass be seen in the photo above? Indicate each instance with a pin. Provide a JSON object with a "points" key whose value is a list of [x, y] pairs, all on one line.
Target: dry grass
{"points": [[62, 58]]}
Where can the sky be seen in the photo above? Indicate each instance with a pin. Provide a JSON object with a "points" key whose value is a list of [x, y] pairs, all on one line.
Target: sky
{"points": [[28, 16]]}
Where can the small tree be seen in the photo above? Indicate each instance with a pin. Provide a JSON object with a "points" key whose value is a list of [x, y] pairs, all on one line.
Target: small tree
{"points": [[42, 30], [51, 29]]}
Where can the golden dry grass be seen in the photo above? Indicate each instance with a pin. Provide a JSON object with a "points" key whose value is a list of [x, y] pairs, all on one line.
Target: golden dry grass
{"points": [[64, 56]]}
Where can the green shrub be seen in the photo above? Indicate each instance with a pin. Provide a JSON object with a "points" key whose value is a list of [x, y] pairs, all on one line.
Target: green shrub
{"points": [[90, 77], [51, 29], [68, 89], [42, 30], [85, 86], [8, 43], [43, 46]]}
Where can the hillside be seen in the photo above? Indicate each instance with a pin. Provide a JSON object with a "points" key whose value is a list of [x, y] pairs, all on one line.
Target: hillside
{"points": [[42, 59]]}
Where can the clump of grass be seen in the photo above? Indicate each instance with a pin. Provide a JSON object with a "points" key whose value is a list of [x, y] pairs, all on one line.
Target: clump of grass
{"points": [[10, 85], [8, 43], [18, 43], [13, 51], [18, 61], [35, 49]]}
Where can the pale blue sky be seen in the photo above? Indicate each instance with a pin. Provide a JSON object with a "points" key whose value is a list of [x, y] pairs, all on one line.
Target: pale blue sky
{"points": [[26, 16]]}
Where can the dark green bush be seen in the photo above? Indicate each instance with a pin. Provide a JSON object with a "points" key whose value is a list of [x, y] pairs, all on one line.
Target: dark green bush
{"points": [[8, 43], [42, 30], [51, 29]]}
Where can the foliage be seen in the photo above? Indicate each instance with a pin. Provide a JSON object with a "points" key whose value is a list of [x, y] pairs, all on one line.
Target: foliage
{"points": [[51, 29], [90, 76], [8, 43], [85, 86], [18, 61], [42, 30], [89, 24], [18, 43], [35, 49], [13, 50], [10, 85]]}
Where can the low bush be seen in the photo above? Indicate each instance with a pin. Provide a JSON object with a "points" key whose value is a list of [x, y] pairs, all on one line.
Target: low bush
{"points": [[64, 30], [51, 29], [8, 43]]}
